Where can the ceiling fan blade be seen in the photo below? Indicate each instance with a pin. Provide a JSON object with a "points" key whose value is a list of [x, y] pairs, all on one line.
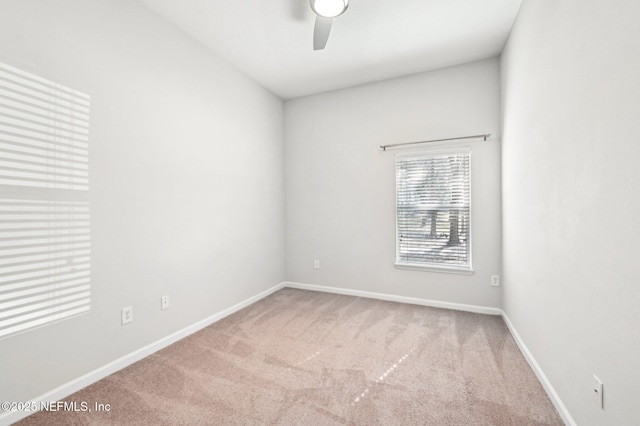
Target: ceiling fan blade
{"points": [[321, 32]]}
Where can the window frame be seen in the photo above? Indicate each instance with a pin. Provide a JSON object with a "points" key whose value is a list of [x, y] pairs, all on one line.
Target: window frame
{"points": [[438, 151]]}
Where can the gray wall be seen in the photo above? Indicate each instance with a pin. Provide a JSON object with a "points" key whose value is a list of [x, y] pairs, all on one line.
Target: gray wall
{"points": [[340, 189], [186, 181], [571, 242]]}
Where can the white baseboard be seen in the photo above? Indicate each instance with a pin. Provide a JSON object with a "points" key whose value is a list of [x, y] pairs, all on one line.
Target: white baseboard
{"points": [[542, 378], [75, 385], [394, 298]]}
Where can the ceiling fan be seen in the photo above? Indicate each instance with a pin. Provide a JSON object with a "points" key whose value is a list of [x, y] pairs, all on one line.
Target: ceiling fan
{"points": [[325, 11]]}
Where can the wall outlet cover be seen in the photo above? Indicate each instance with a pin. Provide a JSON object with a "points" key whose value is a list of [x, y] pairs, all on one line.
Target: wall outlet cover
{"points": [[127, 315], [597, 391]]}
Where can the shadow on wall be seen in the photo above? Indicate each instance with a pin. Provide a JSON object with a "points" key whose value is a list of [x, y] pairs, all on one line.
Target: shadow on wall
{"points": [[45, 225]]}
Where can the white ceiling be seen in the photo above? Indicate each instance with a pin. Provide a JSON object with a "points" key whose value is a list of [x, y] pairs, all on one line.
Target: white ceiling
{"points": [[271, 40]]}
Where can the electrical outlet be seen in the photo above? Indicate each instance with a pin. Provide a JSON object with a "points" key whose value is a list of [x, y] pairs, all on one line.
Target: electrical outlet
{"points": [[597, 391], [127, 315], [495, 280], [316, 264], [164, 302]]}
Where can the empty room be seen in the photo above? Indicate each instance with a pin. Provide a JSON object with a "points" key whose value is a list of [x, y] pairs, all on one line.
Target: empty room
{"points": [[331, 212]]}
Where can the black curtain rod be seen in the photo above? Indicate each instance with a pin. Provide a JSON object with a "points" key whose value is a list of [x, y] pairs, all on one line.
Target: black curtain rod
{"points": [[485, 136]]}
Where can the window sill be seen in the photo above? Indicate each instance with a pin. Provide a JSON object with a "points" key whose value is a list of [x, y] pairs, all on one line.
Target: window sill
{"points": [[442, 269]]}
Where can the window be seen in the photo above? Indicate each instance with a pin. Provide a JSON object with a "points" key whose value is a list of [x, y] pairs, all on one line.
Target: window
{"points": [[45, 232], [433, 210]]}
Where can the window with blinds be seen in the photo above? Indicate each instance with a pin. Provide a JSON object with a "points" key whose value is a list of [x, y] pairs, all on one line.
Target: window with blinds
{"points": [[45, 227], [433, 210]]}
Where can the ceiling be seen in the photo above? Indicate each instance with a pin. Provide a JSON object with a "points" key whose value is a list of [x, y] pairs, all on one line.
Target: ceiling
{"points": [[271, 40]]}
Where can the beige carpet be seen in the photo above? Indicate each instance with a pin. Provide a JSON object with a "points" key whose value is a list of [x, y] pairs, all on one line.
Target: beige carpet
{"points": [[306, 358]]}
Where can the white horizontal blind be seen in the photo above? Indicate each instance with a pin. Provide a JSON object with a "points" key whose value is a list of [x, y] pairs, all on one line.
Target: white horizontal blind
{"points": [[433, 210], [44, 132], [45, 223]]}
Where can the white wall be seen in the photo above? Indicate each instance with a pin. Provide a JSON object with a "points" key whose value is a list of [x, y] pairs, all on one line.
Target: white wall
{"points": [[340, 189], [571, 240], [187, 185]]}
